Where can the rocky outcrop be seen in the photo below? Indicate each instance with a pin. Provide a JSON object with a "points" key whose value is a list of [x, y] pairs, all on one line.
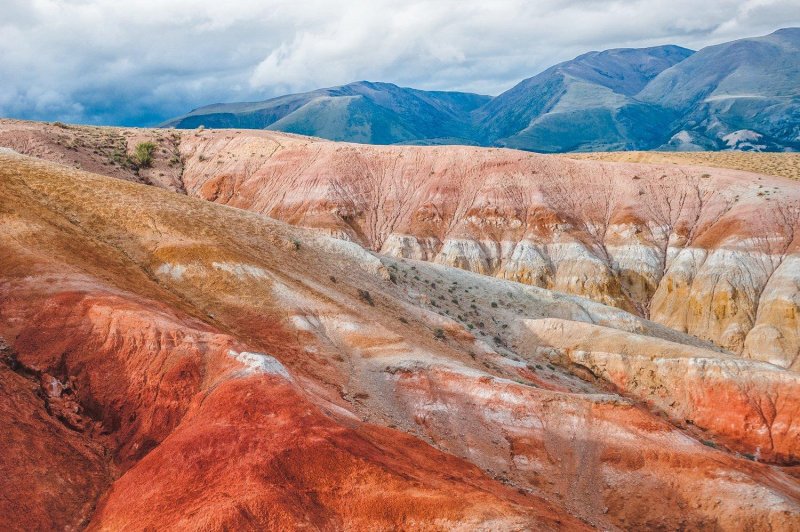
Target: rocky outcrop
{"points": [[51, 473], [689, 384], [776, 335]]}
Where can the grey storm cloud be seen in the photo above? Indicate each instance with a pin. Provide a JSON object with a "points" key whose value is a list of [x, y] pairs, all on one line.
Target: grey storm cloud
{"points": [[141, 61]]}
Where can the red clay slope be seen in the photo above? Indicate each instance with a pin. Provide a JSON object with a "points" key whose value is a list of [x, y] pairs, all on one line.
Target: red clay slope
{"points": [[200, 438]]}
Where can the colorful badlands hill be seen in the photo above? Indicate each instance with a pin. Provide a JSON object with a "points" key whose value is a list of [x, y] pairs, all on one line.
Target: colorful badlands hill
{"points": [[173, 362]]}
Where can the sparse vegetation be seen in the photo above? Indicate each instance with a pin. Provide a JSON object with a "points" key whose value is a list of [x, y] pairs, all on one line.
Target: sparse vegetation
{"points": [[142, 156], [366, 297], [439, 334], [784, 164]]}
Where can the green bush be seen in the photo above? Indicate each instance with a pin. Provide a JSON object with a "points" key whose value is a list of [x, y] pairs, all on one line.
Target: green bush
{"points": [[143, 154]]}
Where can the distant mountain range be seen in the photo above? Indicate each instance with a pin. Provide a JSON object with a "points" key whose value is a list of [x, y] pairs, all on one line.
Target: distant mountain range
{"points": [[743, 94]]}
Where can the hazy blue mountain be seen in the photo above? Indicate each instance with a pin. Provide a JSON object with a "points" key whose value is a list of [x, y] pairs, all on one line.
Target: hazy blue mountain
{"points": [[375, 113], [583, 104], [743, 94], [740, 94]]}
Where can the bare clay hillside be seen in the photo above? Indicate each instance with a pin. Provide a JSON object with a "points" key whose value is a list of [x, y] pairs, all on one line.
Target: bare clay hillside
{"points": [[168, 362], [707, 251]]}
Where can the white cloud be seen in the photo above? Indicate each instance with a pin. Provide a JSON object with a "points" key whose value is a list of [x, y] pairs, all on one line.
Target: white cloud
{"points": [[144, 60]]}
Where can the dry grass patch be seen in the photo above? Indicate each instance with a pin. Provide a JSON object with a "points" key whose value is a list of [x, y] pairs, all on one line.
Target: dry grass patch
{"points": [[769, 163]]}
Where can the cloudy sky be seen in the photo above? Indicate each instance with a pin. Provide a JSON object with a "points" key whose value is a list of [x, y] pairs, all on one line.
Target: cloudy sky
{"points": [[141, 61]]}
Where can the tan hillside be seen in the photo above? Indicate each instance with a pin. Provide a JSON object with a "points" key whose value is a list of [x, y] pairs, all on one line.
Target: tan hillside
{"points": [[783, 164]]}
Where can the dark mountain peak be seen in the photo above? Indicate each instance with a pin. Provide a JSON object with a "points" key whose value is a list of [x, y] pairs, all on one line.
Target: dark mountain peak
{"points": [[600, 81], [363, 85], [624, 70], [763, 67], [787, 33], [748, 88], [361, 111]]}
